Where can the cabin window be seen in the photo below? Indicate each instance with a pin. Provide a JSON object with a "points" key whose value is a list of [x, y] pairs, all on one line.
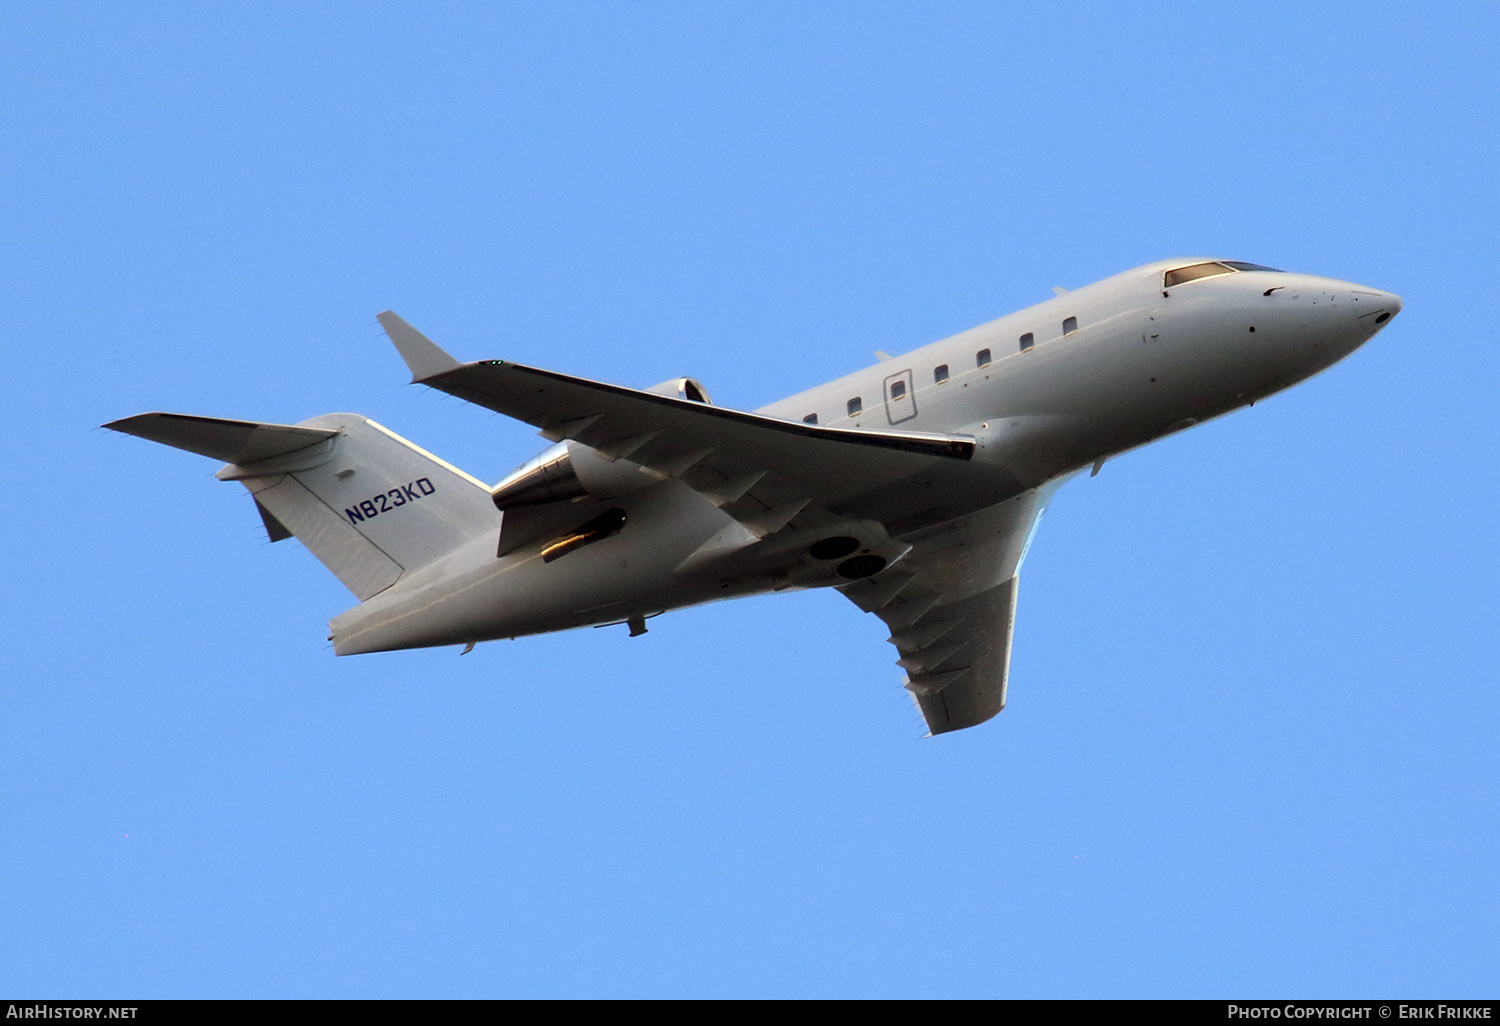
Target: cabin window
{"points": [[898, 389], [982, 358], [811, 418], [1070, 325], [855, 406], [940, 374], [1027, 341]]}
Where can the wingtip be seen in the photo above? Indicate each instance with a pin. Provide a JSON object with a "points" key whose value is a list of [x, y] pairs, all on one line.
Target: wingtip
{"points": [[424, 357], [141, 424]]}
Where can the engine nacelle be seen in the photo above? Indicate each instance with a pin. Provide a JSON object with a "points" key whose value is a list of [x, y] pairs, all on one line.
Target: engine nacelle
{"points": [[690, 389], [569, 470]]}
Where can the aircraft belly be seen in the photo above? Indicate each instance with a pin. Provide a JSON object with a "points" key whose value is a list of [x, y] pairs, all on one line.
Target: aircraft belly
{"points": [[476, 596], [922, 500]]}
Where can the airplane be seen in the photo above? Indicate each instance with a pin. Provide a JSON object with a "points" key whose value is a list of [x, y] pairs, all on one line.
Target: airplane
{"points": [[913, 486]]}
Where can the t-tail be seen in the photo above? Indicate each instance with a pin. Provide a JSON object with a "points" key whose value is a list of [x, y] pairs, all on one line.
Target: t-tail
{"points": [[369, 504]]}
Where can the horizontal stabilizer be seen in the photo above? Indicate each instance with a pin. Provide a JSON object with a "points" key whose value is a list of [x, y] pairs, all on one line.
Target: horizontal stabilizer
{"points": [[233, 441], [423, 357]]}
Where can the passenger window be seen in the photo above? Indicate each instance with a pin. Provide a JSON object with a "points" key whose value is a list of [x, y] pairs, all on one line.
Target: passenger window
{"points": [[1027, 341], [1070, 325], [855, 405], [898, 389], [940, 374], [982, 358], [811, 418]]}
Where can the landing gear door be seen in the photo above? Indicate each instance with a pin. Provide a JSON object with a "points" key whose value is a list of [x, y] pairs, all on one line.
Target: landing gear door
{"points": [[900, 397]]}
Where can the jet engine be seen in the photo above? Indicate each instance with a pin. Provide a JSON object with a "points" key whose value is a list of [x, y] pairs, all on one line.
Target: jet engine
{"points": [[690, 389], [571, 470]]}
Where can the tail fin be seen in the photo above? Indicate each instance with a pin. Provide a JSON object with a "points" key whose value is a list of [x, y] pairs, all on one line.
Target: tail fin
{"points": [[368, 503]]}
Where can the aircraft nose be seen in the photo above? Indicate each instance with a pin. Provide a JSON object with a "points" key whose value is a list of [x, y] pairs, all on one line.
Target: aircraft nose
{"points": [[1382, 306]]}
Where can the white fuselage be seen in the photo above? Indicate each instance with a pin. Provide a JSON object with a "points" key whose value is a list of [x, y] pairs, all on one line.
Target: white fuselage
{"points": [[1140, 361], [1101, 370]]}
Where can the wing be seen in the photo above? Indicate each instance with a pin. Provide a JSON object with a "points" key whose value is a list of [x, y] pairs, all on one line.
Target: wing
{"points": [[950, 603], [951, 606], [762, 470]]}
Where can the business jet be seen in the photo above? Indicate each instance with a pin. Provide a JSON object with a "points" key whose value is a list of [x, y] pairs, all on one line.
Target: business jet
{"points": [[913, 486]]}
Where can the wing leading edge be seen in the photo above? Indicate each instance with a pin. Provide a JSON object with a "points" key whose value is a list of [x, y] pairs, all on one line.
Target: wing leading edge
{"points": [[950, 603], [762, 470]]}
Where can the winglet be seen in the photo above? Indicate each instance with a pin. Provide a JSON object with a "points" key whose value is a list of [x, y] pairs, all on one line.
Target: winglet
{"points": [[424, 357]]}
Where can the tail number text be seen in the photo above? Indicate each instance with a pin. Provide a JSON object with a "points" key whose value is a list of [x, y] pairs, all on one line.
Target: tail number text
{"points": [[386, 502]]}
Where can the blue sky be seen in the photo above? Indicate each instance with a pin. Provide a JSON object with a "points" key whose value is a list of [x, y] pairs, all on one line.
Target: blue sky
{"points": [[1252, 741]]}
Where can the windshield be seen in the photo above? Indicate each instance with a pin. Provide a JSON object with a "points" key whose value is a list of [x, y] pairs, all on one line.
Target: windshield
{"points": [[1213, 268]]}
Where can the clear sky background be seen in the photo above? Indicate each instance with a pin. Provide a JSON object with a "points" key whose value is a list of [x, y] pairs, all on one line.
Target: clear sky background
{"points": [[1251, 747]]}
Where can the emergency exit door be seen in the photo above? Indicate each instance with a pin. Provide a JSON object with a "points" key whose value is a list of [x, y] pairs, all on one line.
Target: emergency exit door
{"points": [[900, 397]]}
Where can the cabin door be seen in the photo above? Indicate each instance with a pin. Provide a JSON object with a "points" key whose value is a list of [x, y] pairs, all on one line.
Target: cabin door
{"points": [[900, 397]]}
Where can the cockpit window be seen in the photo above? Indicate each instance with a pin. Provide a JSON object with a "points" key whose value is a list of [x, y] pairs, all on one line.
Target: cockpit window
{"points": [[1179, 275]]}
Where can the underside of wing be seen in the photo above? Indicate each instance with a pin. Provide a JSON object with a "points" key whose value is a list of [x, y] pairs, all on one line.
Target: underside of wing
{"points": [[950, 606], [952, 532], [973, 690]]}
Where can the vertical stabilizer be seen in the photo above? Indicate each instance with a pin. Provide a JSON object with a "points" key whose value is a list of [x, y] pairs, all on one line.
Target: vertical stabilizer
{"points": [[368, 503], [378, 507]]}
